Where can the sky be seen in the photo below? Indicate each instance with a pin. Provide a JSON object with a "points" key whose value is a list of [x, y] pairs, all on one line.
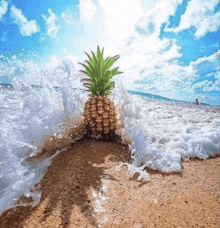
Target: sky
{"points": [[166, 47]]}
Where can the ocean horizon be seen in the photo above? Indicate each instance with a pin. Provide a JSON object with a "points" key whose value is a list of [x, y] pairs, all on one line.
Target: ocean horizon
{"points": [[134, 92]]}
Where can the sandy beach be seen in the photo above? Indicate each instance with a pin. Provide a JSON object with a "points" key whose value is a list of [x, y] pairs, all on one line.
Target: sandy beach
{"points": [[87, 182], [109, 114], [88, 186]]}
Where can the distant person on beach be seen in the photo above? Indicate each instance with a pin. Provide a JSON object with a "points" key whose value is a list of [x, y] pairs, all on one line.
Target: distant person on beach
{"points": [[197, 101]]}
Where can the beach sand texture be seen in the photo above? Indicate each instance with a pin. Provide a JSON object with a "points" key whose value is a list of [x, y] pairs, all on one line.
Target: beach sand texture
{"points": [[88, 186], [87, 183]]}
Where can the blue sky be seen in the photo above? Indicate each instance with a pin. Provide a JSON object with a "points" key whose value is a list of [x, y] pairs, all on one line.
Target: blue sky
{"points": [[169, 48], [14, 41]]}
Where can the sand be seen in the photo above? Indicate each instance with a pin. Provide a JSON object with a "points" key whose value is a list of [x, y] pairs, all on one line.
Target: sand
{"points": [[88, 186]]}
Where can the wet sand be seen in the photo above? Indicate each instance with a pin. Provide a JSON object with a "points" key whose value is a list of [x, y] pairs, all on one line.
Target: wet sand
{"points": [[88, 186]]}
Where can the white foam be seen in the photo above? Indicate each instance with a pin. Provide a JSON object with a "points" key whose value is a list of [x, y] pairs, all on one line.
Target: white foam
{"points": [[162, 133], [27, 116]]}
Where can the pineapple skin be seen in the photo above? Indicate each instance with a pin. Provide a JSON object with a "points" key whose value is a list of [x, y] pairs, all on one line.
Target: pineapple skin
{"points": [[100, 116]]}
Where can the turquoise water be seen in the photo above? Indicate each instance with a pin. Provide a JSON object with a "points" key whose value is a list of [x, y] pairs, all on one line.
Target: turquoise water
{"points": [[143, 94], [157, 97]]}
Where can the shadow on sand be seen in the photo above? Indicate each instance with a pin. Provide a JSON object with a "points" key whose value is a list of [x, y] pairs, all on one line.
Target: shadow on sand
{"points": [[69, 179]]}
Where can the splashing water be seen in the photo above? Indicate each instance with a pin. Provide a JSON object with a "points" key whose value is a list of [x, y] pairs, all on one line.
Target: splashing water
{"points": [[28, 114], [161, 132]]}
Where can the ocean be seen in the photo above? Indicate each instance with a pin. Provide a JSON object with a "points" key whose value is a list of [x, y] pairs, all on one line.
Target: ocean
{"points": [[162, 131], [144, 94]]}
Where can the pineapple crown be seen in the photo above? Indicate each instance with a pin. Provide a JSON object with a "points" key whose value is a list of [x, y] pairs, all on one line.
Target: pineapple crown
{"points": [[99, 74]]}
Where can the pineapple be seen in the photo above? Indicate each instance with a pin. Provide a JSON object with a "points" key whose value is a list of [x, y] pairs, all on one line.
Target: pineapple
{"points": [[99, 112]]}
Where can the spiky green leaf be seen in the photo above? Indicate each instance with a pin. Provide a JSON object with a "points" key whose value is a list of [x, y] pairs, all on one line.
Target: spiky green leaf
{"points": [[98, 70]]}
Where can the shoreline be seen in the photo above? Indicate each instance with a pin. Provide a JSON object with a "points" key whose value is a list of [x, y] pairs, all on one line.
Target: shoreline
{"points": [[165, 111], [88, 185]]}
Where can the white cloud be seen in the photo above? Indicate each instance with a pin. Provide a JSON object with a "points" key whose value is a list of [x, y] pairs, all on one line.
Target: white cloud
{"points": [[132, 29], [3, 8], [112, 24], [120, 17], [114, 27], [108, 24], [209, 24], [158, 76], [87, 10], [180, 80], [27, 28], [50, 21], [158, 14], [214, 59], [199, 14], [68, 17], [207, 86], [142, 59]]}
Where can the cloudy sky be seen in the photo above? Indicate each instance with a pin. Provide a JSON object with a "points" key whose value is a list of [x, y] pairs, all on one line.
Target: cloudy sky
{"points": [[166, 47]]}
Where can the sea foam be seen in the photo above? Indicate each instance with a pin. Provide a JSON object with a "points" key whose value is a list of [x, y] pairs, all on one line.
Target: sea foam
{"points": [[162, 133]]}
